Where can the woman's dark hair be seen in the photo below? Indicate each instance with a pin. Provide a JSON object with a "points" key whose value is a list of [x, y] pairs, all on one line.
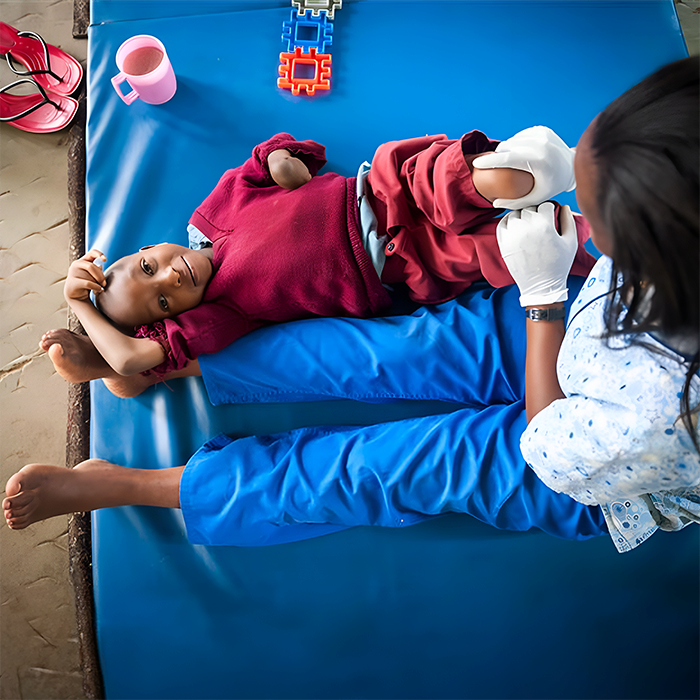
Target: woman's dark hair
{"points": [[646, 147]]}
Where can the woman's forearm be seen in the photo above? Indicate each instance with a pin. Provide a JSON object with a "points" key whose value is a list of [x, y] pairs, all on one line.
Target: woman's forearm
{"points": [[124, 354], [544, 340]]}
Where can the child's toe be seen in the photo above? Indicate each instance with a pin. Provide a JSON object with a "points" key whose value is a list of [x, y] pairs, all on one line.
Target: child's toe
{"points": [[17, 523], [18, 511]]}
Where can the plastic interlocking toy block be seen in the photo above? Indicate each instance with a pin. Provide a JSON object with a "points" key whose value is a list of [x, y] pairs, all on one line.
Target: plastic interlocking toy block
{"points": [[296, 67], [330, 6], [307, 31]]}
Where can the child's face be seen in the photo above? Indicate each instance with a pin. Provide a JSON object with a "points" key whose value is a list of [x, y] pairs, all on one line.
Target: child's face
{"points": [[156, 283]]}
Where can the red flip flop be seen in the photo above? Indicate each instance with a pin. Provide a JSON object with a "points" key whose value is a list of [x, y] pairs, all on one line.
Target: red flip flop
{"points": [[51, 67], [37, 113]]}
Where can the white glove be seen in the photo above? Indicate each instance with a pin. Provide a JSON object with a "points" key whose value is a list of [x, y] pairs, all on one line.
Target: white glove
{"points": [[540, 152], [537, 257]]}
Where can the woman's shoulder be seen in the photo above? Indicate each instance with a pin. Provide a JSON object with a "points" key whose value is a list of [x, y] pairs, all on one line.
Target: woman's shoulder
{"points": [[588, 356], [595, 289]]}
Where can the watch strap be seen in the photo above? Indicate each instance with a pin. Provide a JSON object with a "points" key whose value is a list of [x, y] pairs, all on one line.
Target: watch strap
{"points": [[549, 314]]}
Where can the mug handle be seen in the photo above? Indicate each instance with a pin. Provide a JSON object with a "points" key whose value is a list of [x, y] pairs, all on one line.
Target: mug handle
{"points": [[117, 80]]}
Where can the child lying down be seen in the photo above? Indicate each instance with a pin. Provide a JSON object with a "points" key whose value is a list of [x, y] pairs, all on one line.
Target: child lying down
{"points": [[285, 243]]}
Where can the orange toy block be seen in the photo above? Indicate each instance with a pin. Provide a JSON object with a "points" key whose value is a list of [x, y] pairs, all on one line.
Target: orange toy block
{"points": [[293, 64]]}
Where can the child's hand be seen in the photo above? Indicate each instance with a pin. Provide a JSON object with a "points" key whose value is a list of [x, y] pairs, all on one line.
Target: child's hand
{"points": [[539, 151], [286, 170], [84, 277]]}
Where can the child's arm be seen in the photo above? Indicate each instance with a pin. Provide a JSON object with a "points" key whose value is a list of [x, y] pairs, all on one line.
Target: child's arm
{"points": [[286, 170], [124, 354], [257, 169]]}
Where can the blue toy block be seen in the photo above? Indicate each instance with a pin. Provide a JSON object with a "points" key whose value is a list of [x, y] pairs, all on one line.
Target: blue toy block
{"points": [[307, 31]]}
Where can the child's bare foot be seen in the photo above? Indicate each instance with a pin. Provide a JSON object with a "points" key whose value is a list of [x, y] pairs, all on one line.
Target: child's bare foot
{"points": [[74, 356], [128, 387], [40, 491], [77, 360]]}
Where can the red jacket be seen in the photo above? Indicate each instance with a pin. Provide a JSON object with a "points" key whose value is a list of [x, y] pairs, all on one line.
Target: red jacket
{"points": [[443, 232]]}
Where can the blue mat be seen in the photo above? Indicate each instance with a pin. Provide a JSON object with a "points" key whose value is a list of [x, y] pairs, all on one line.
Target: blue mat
{"points": [[447, 609]]}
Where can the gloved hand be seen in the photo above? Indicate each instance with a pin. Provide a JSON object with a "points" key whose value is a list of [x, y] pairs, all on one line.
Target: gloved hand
{"points": [[537, 257], [540, 152]]}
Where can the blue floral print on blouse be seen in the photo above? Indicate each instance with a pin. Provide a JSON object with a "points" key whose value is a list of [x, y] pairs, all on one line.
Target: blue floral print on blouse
{"points": [[616, 440]]}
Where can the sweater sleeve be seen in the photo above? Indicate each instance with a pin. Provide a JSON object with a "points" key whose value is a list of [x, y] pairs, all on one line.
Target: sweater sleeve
{"points": [[205, 329], [312, 154], [237, 186]]}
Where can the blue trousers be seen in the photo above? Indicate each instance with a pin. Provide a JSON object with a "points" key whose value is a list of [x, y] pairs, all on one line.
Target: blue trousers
{"points": [[278, 488]]}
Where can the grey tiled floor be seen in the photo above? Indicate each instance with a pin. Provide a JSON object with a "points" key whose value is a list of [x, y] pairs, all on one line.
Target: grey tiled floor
{"points": [[38, 644]]}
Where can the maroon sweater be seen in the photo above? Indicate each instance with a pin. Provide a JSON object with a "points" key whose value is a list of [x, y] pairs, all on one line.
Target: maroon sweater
{"points": [[279, 255]]}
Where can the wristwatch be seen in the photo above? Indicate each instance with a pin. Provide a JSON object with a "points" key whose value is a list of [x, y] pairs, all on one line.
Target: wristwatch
{"points": [[549, 314]]}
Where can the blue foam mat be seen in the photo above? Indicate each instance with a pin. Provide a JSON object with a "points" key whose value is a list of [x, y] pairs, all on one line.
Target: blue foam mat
{"points": [[447, 609]]}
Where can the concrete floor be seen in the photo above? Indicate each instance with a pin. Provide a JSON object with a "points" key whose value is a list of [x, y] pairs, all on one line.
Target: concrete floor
{"points": [[38, 642]]}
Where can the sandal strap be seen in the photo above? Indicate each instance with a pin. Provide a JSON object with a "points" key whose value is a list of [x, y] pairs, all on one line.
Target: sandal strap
{"points": [[45, 100], [47, 59]]}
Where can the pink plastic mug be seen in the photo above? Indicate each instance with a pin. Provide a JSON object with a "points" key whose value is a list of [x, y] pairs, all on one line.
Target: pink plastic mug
{"points": [[144, 64]]}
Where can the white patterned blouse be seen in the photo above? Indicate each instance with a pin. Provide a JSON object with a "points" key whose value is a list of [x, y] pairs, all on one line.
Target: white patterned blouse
{"points": [[616, 440]]}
